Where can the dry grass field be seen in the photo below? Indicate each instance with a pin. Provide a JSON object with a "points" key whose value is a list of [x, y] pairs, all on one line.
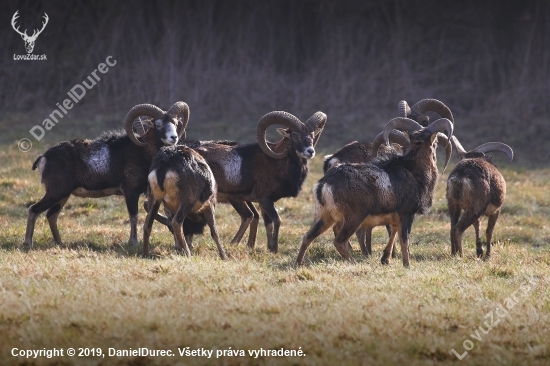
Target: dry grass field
{"points": [[232, 62], [96, 292]]}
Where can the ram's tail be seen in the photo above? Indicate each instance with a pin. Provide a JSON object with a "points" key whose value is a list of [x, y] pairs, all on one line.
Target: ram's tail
{"points": [[37, 162]]}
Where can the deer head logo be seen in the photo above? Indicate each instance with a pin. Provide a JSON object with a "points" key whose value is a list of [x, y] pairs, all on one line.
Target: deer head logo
{"points": [[29, 41]]}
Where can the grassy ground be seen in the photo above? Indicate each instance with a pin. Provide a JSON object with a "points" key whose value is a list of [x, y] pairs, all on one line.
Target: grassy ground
{"points": [[97, 292]]}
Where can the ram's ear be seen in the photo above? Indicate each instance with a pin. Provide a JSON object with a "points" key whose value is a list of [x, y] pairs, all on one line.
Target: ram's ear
{"points": [[433, 137], [285, 132]]}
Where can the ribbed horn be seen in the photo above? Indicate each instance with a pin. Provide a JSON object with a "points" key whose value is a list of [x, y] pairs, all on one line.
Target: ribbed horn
{"points": [[460, 151], [280, 118], [443, 141], [433, 105], [148, 110], [177, 109], [316, 123], [139, 127], [396, 136], [404, 109], [441, 125], [402, 124], [496, 146]]}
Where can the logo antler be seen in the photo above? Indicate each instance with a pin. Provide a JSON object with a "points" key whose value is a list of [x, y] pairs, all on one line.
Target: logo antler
{"points": [[29, 41]]}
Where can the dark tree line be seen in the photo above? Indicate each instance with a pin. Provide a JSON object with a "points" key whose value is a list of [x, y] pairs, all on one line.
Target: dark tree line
{"points": [[488, 60]]}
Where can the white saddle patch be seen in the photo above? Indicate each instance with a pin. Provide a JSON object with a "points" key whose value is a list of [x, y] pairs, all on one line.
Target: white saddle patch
{"points": [[98, 160], [232, 168], [384, 183]]}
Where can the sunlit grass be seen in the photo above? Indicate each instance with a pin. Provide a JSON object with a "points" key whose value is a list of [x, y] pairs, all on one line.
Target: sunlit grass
{"points": [[97, 292]]}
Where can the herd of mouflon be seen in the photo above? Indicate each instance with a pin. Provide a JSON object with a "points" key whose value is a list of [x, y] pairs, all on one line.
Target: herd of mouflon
{"points": [[386, 182]]}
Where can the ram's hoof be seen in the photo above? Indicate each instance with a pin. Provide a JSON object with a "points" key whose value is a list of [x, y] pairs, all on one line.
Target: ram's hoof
{"points": [[26, 246]]}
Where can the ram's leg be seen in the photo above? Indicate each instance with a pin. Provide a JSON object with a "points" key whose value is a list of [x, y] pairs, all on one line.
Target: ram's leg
{"points": [[246, 217], [364, 236], [389, 250], [177, 224], [48, 201], [272, 224], [159, 217], [132, 200], [193, 224], [342, 239], [268, 223], [467, 219], [336, 229], [489, 233], [360, 235], [211, 220], [253, 225], [404, 234], [456, 242], [52, 215], [319, 226], [189, 240], [390, 233], [454, 213], [148, 225], [479, 245]]}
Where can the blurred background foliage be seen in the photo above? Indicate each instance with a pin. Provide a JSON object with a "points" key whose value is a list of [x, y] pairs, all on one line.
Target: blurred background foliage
{"points": [[233, 61]]}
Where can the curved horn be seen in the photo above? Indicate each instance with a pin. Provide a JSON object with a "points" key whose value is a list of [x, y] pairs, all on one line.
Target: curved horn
{"points": [[148, 110], [433, 105], [496, 146], [402, 124], [316, 124], [396, 136], [404, 109], [443, 141], [139, 127], [458, 146], [177, 109], [281, 118], [441, 125]]}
